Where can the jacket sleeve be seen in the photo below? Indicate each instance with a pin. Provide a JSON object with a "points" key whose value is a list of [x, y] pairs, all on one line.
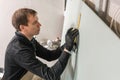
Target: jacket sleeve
{"points": [[26, 59], [46, 54]]}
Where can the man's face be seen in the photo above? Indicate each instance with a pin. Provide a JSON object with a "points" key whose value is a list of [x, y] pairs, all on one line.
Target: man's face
{"points": [[33, 27]]}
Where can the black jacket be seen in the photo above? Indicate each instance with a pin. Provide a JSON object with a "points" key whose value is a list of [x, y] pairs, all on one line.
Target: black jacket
{"points": [[21, 57]]}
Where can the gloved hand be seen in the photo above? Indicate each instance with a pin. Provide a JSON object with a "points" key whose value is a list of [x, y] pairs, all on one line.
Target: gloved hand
{"points": [[70, 37]]}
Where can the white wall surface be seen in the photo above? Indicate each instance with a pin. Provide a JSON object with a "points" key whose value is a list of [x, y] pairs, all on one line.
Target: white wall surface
{"points": [[50, 15], [99, 53], [71, 20], [99, 49]]}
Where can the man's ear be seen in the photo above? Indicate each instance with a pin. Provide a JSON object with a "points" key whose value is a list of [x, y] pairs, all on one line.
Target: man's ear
{"points": [[22, 27]]}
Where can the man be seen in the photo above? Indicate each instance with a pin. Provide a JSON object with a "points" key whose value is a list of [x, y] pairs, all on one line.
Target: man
{"points": [[22, 50]]}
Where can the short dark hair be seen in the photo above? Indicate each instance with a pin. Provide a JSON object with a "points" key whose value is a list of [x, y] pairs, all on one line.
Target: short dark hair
{"points": [[20, 17]]}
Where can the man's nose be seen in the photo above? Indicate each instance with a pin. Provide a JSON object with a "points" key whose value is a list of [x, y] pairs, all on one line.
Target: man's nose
{"points": [[39, 24]]}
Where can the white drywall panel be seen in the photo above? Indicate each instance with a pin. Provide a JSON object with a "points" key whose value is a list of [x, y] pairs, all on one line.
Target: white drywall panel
{"points": [[98, 57]]}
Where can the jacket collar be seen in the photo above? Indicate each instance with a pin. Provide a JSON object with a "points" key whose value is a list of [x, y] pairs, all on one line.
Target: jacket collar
{"points": [[23, 38]]}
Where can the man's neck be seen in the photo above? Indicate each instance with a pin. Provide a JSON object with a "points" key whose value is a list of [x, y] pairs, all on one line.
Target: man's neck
{"points": [[29, 37]]}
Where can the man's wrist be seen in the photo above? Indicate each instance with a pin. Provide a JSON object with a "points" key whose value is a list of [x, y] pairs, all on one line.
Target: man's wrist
{"points": [[67, 51]]}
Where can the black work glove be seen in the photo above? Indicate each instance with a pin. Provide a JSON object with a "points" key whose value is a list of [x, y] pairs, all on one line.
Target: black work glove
{"points": [[70, 37]]}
